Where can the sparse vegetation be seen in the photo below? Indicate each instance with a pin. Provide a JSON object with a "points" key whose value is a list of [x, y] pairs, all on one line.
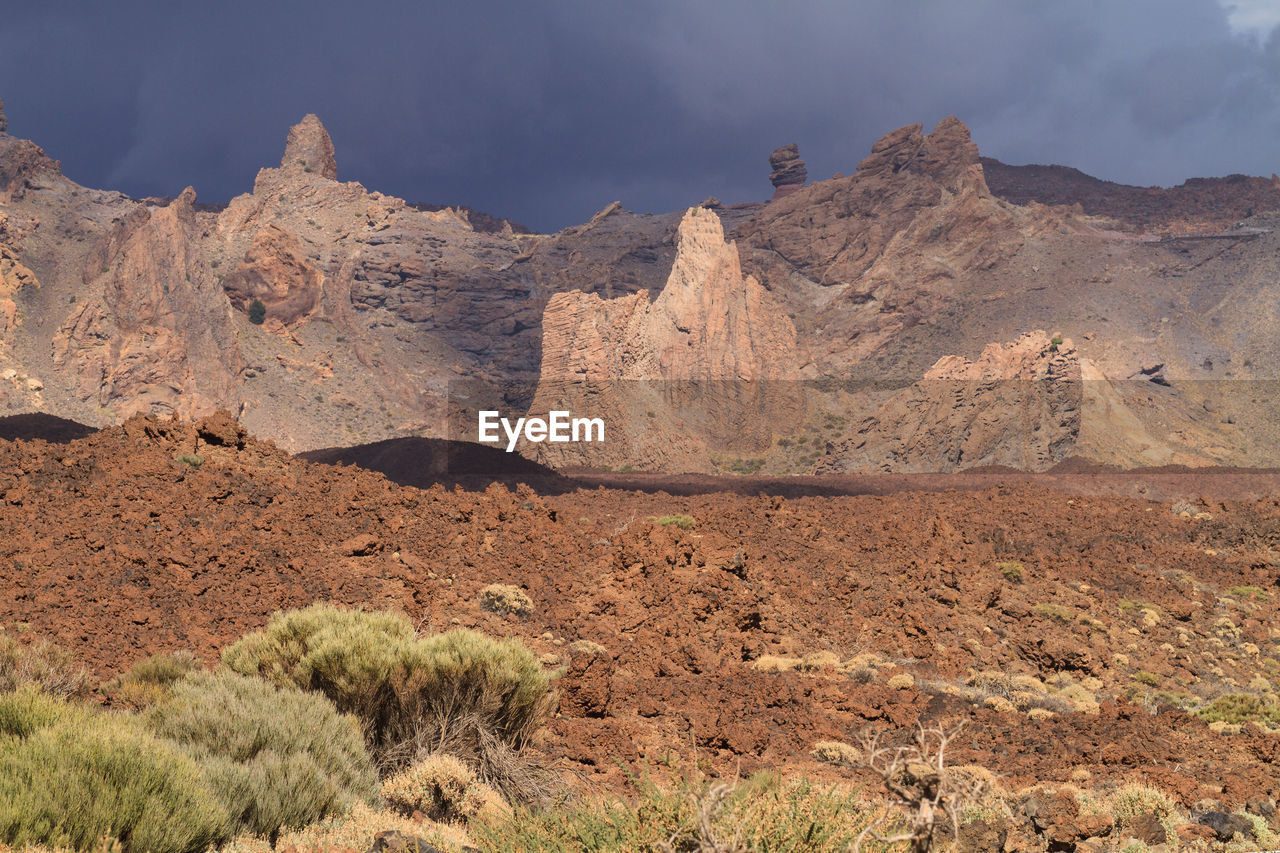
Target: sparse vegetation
{"points": [[1148, 678], [70, 776], [276, 758], [689, 813], [1240, 708], [458, 692], [257, 312], [191, 460], [1253, 592], [1011, 571], [43, 665], [1056, 612], [504, 598], [150, 679], [441, 787], [684, 522], [836, 752]]}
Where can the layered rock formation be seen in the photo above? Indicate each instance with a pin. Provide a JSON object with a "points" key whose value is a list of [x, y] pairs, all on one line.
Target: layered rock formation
{"points": [[377, 309], [158, 338], [708, 367], [862, 258], [789, 173], [1017, 405]]}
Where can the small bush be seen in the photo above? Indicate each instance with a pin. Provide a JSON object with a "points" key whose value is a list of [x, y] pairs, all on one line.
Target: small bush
{"points": [[1056, 612], [688, 813], [257, 312], [191, 460], [458, 692], [1011, 571], [1148, 678], [684, 522], [442, 788], [70, 776], [836, 752], [1240, 708], [1129, 801], [50, 668], [276, 758], [150, 679], [1254, 592], [504, 598]]}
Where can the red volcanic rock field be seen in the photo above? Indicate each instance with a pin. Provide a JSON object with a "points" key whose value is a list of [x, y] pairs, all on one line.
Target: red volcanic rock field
{"points": [[770, 623]]}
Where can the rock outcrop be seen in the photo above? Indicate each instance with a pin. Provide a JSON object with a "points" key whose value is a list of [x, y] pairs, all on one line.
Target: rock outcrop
{"points": [[4, 121], [159, 337], [708, 367], [1017, 404], [862, 258], [14, 276], [276, 272], [310, 149], [789, 173]]}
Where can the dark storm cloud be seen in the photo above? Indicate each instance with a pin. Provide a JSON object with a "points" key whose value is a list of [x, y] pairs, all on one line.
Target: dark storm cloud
{"points": [[546, 112]]}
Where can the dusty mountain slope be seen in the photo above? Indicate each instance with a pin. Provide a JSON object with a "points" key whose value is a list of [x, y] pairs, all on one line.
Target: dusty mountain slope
{"points": [[377, 311], [119, 549]]}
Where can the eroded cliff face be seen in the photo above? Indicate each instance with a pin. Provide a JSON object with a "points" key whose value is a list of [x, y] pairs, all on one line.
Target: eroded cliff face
{"points": [[376, 309], [1017, 404], [706, 368], [861, 258], [156, 336]]}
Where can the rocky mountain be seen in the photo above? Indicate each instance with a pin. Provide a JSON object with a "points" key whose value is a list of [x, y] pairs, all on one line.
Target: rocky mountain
{"points": [[779, 337], [713, 353]]}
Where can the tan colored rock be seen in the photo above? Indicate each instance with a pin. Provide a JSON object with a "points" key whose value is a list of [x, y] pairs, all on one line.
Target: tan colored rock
{"points": [[160, 339], [276, 272], [710, 365], [789, 173], [14, 276], [864, 258], [1017, 404], [310, 149]]}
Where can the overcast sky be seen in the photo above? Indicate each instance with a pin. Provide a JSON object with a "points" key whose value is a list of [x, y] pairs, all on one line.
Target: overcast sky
{"points": [[547, 111]]}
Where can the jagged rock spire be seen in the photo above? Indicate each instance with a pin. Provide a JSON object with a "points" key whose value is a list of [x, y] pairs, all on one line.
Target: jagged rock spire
{"points": [[309, 148], [789, 173]]}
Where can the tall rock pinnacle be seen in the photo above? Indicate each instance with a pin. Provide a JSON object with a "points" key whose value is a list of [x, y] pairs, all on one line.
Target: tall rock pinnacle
{"points": [[789, 173], [309, 148], [4, 122]]}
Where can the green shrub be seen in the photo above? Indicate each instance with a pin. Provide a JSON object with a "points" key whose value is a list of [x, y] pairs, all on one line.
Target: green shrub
{"points": [[684, 522], [693, 814], [1056, 612], [1011, 571], [458, 692], [1148, 678], [277, 758], [150, 679], [257, 312], [1254, 592], [1239, 708], [191, 460], [48, 667], [26, 711], [70, 776]]}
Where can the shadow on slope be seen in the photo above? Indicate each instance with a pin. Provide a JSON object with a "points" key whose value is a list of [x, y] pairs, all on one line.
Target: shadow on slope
{"points": [[34, 426], [423, 462]]}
